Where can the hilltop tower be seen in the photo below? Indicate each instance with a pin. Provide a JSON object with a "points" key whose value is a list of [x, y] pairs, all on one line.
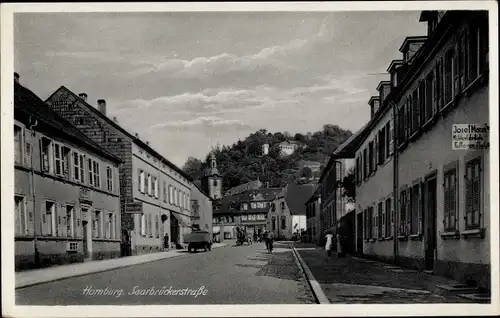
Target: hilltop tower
{"points": [[212, 180]]}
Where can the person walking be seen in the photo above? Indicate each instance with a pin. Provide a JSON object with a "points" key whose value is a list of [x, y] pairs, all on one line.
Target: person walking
{"points": [[340, 252], [329, 242]]}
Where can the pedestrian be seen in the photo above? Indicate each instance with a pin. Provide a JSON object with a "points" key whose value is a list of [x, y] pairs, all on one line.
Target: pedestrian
{"points": [[165, 241], [339, 237], [328, 245]]}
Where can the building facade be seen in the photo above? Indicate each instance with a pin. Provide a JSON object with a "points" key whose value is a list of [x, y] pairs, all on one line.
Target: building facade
{"points": [[201, 210], [425, 202], [66, 189], [155, 194], [313, 224]]}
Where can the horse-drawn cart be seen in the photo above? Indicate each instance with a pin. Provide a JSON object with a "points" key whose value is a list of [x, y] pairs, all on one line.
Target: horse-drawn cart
{"points": [[198, 240]]}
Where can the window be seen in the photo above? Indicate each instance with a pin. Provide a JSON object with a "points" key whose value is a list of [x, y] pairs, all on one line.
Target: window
{"points": [[245, 206], [70, 221], [371, 220], [109, 226], [142, 224], [473, 193], [94, 173], [390, 137], [58, 159], [149, 185], [141, 181], [253, 205], [274, 223], [370, 156], [46, 155], [49, 219], [170, 194], [21, 219], [164, 191], [388, 218], [365, 166], [402, 213], [109, 178], [416, 209], [96, 224], [400, 126], [358, 170], [178, 198], [448, 76], [382, 145], [429, 99], [439, 85], [463, 60], [415, 112], [157, 226], [450, 201], [18, 145], [456, 69], [155, 187], [78, 167], [283, 222], [381, 220], [150, 223]]}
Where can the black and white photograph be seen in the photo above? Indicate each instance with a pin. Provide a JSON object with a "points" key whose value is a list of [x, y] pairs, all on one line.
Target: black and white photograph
{"points": [[305, 156]]}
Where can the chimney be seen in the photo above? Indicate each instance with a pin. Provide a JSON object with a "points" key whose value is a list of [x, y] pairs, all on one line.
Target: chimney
{"points": [[136, 135], [83, 96], [16, 77], [101, 105], [147, 143], [115, 119]]}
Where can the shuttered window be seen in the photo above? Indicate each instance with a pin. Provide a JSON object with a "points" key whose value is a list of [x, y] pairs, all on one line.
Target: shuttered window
{"points": [[380, 220], [389, 218], [473, 194], [415, 209], [402, 218], [450, 201], [449, 68]]}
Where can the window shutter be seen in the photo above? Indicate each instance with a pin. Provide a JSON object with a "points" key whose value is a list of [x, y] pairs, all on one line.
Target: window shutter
{"points": [[391, 210], [477, 195], [420, 208], [391, 137], [384, 220], [375, 152], [44, 219]]}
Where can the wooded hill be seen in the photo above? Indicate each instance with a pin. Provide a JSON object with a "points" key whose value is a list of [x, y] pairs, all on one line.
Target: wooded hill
{"points": [[243, 161]]}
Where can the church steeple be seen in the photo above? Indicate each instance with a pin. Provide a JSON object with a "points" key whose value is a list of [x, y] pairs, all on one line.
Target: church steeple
{"points": [[212, 180]]}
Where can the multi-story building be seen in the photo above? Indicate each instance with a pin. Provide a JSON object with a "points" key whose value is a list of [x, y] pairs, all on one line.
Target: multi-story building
{"points": [[279, 217], [247, 211], [313, 223], [155, 193], [66, 192], [288, 147], [424, 196], [296, 197], [201, 210]]}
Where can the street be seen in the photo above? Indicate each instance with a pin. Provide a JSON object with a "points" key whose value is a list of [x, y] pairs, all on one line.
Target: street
{"points": [[229, 275]]}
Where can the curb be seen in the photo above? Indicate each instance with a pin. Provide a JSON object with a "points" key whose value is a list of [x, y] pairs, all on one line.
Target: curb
{"points": [[313, 283], [103, 270]]}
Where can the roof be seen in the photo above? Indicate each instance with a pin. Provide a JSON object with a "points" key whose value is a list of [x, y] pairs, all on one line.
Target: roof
{"points": [[426, 15], [315, 195], [231, 203], [134, 139], [291, 142], [255, 184], [29, 103], [197, 185], [411, 39], [297, 196], [449, 19]]}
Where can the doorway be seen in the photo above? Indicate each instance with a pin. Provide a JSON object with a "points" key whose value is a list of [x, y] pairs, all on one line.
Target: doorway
{"points": [[359, 234], [174, 230], [85, 240], [430, 222]]}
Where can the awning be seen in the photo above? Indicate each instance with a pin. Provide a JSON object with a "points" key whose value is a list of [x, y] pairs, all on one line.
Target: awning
{"points": [[182, 222]]}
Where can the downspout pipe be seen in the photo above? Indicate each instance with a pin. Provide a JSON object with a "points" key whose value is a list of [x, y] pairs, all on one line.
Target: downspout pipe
{"points": [[395, 181], [32, 124]]}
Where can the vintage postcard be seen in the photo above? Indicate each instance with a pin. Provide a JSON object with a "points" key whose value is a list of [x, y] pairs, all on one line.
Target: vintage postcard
{"points": [[259, 159]]}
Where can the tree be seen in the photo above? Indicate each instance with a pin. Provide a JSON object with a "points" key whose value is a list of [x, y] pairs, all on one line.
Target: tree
{"points": [[193, 167], [307, 173], [349, 186]]}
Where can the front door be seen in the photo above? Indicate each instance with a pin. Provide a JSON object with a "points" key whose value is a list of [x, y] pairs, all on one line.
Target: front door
{"points": [[430, 223], [85, 240], [359, 236]]}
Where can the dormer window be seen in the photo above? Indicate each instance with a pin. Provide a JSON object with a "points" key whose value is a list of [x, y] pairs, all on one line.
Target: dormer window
{"points": [[215, 183]]}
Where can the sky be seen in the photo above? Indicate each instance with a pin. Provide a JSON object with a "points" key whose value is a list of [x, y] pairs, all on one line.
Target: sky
{"points": [[186, 81]]}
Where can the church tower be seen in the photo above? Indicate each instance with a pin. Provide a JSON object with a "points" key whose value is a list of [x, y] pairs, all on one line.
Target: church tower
{"points": [[212, 180]]}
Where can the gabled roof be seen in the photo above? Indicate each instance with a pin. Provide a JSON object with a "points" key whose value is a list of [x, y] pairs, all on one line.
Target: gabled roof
{"points": [[27, 102], [297, 196], [114, 124]]}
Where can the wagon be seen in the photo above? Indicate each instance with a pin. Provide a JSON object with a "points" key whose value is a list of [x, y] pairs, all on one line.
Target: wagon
{"points": [[198, 240]]}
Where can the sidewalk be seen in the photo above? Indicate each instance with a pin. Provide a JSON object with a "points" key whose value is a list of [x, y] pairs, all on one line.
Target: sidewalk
{"points": [[49, 274], [356, 280]]}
